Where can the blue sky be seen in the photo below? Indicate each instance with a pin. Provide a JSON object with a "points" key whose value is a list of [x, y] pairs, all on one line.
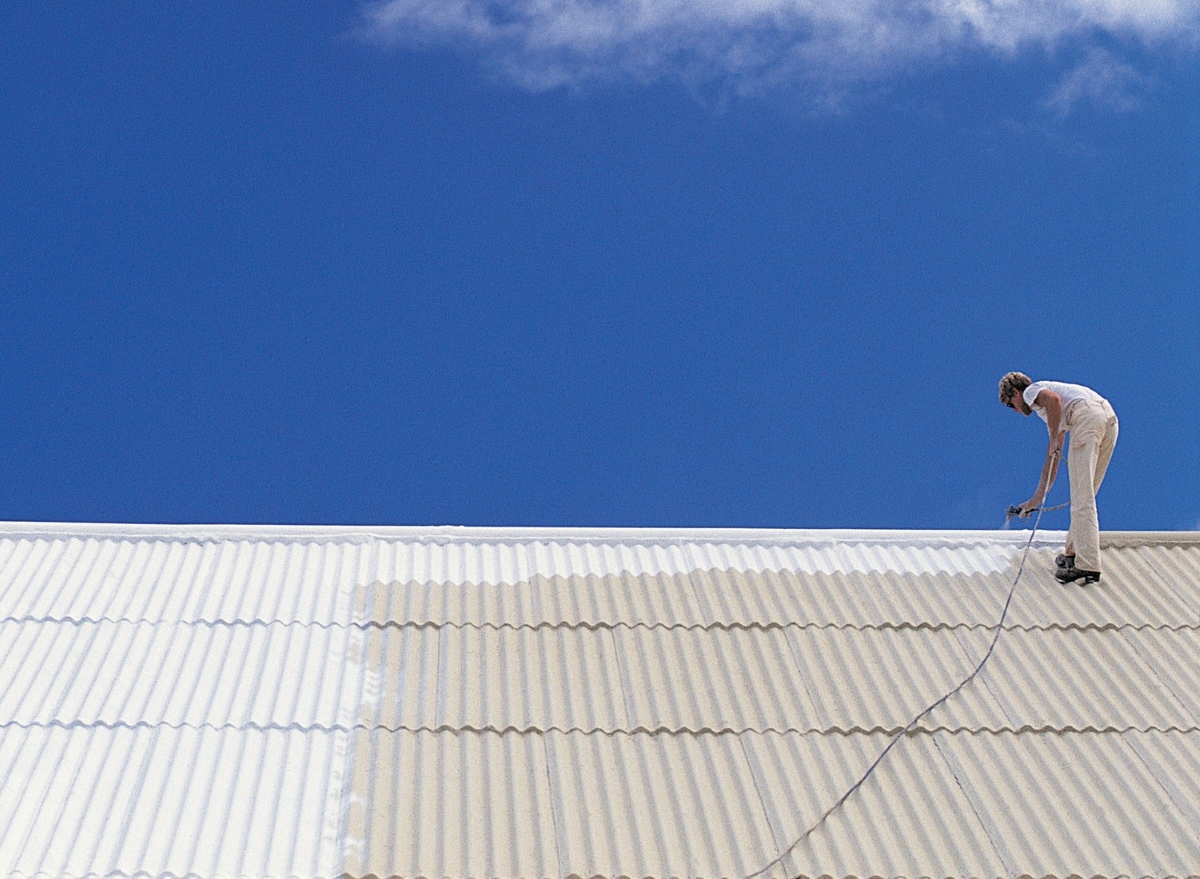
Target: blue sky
{"points": [[593, 263]]}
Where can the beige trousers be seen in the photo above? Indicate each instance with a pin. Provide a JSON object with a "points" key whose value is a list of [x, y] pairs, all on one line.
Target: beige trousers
{"points": [[1093, 428]]}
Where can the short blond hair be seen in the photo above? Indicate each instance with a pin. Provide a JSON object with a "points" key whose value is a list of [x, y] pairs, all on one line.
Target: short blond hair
{"points": [[1013, 383]]}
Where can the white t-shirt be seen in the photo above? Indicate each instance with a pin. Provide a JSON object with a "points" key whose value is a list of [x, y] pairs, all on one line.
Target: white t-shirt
{"points": [[1069, 394]]}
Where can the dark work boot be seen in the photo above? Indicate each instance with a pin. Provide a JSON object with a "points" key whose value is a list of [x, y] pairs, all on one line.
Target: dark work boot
{"points": [[1071, 574]]}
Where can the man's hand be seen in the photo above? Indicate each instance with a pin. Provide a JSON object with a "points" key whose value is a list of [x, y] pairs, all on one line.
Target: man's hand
{"points": [[1030, 506]]}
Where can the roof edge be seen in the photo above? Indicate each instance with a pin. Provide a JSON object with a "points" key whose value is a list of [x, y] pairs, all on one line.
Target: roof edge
{"points": [[455, 533]]}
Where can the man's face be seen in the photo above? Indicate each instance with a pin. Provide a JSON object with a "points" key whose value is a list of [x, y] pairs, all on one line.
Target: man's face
{"points": [[1016, 401]]}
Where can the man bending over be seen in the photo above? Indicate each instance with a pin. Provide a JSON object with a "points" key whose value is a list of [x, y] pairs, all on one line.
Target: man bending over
{"points": [[1093, 427]]}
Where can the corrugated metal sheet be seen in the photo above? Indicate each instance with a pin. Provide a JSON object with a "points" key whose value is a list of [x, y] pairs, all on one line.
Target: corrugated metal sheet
{"points": [[624, 679], [158, 801], [308, 702], [935, 581], [966, 804]]}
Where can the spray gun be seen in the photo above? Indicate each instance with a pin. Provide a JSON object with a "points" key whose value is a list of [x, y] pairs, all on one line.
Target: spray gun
{"points": [[1017, 513], [1014, 513]]}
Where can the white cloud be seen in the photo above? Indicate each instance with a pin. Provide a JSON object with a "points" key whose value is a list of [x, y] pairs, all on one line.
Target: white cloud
{"points": [[1102, 81], [752, 43]]}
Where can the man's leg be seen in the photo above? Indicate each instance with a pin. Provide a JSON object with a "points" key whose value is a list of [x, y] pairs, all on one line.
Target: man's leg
{"points": [[1107, 443], [1082, 467]]}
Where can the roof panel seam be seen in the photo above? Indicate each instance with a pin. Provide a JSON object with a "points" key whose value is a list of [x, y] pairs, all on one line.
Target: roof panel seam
{"points": [[610, 732], [223, 622]]}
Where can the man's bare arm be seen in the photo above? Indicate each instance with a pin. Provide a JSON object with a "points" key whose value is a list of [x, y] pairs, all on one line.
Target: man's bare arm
{"points": [[1052, 403]]}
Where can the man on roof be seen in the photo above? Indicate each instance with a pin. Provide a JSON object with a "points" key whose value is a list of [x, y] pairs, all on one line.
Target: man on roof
{"points": [[1093, 427]]}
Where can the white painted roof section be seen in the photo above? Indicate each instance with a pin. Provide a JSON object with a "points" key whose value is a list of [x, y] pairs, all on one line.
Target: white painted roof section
{"points": [[237, 701]]}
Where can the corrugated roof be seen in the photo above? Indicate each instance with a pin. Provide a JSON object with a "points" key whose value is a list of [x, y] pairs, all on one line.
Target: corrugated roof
{"points": [[435, 702]]}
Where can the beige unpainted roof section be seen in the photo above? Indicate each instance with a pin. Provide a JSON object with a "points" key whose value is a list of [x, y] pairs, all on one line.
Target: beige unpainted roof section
{"points": [[236, 701]]}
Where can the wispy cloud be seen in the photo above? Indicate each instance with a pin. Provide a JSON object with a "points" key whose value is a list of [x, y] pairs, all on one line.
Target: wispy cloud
{"points": [[751, 44], [1103, 81]]}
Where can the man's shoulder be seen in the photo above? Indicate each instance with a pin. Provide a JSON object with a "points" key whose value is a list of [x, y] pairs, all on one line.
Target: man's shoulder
{"points": [[1059, 388], [1066, 391], [1031, 393]]}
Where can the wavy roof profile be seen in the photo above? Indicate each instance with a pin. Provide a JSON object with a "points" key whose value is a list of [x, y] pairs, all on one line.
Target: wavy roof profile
{"points": [[443, 702]]}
